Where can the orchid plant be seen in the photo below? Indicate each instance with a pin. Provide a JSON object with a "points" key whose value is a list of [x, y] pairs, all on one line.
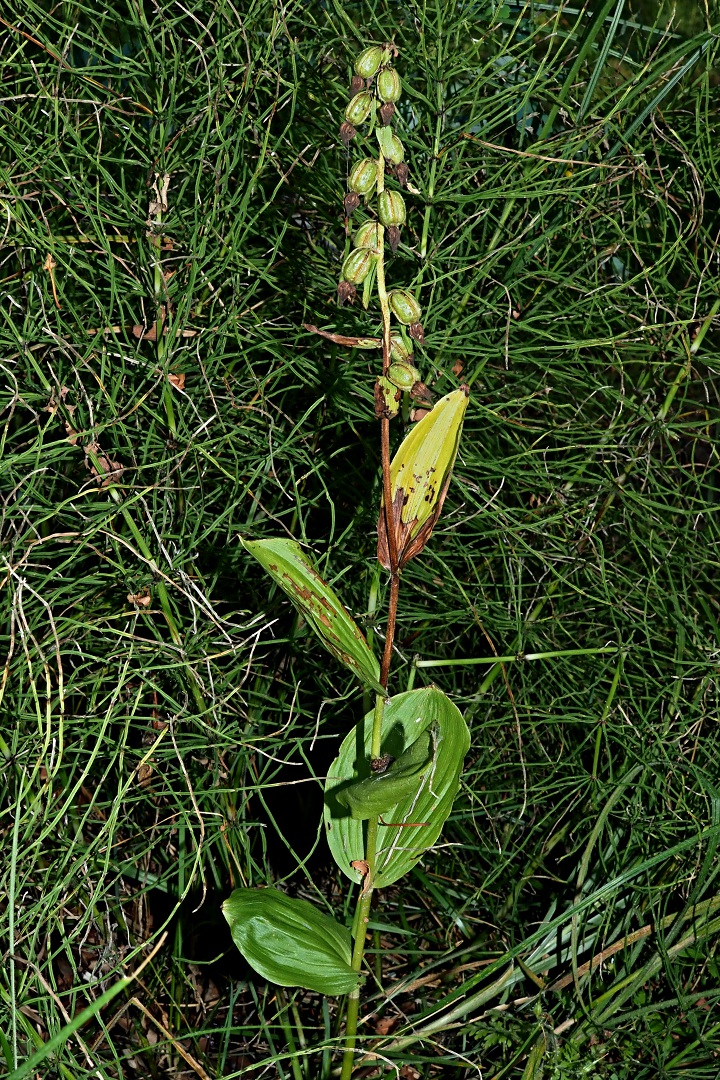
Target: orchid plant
{"points": [[392, 785]]}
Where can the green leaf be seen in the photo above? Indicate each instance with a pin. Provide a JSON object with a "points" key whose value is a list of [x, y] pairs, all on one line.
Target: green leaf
{"points": [[289, 942], [291, 568], [424, 810], [381, 791]]}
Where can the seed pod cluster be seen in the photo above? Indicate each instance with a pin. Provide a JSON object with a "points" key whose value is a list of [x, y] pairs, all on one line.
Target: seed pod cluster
{"points": [[375, 89]]}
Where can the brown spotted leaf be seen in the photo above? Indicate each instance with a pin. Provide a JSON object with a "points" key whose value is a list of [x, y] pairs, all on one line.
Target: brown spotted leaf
{"points": [[293, 571], [420, 476]]}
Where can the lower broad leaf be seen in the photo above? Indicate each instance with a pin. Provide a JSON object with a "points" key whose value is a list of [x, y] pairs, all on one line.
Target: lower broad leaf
{"points": [[416, 819], [289, 942]]}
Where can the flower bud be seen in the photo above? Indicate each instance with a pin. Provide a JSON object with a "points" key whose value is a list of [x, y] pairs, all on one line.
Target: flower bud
{"points": [[399, 350], [363, 176], [358, 109], [404, 306], [369, 60], [357, 265], [393, 237], [387, 111], [391, 208], [347, 133], [392, 149], [404, 376], [388, 85], [417, 333], [367, 236]]}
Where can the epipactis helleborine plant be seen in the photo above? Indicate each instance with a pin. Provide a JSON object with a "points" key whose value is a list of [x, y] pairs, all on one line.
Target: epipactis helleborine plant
{"points": [[392, 785]]}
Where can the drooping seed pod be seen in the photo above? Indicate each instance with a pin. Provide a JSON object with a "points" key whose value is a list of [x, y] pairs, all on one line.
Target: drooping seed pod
{"points": [[399, 350], [391, 208], [358, 109], [346, 293], [389, 87], [419, 478], [369, 60], [386, 112], [357, 266], [393, 237], [347, 133], [404, 307], [363, 176], [403, 375], [351, 203], [417, 333], [357, 83], [392, 148], [367, 236], [401, 173]]}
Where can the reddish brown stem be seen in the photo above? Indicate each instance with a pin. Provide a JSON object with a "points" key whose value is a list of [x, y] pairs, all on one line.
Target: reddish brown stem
{"points": [[390, 631], [387, 496]]}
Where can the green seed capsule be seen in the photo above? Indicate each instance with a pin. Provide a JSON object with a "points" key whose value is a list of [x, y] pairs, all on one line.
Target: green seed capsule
{"points": [[398, 349], [391, 208], [392, 149], [369, 61], [363, 176], [358, 108], [404, 376], [389, 87], [367, 236], [357, 266], [404, 306]]}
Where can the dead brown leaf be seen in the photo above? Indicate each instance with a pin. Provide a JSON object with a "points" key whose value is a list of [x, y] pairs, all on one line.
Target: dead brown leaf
{"points": [[158, 203], [50, 265], [417, 414], [144, 774], [140, 599], [386, 1024], [107, 471], [52, 405]]}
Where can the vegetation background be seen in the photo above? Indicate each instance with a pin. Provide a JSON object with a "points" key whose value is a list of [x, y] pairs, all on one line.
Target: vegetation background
{"points": [[171, 188]]}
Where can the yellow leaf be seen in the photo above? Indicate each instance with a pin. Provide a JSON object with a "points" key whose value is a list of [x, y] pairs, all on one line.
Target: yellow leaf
{"points": [[419, 478]]}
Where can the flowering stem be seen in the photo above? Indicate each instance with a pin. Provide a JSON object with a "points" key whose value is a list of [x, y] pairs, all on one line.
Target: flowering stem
{"points": [[365, 899]]}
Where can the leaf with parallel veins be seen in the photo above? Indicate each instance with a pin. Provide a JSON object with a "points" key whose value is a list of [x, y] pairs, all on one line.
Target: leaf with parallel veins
{"points": [[293, 571]]}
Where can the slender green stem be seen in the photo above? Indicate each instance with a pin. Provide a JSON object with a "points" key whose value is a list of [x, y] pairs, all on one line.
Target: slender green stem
{"points": [[11, 930], [605, 713], [553, 654]]}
